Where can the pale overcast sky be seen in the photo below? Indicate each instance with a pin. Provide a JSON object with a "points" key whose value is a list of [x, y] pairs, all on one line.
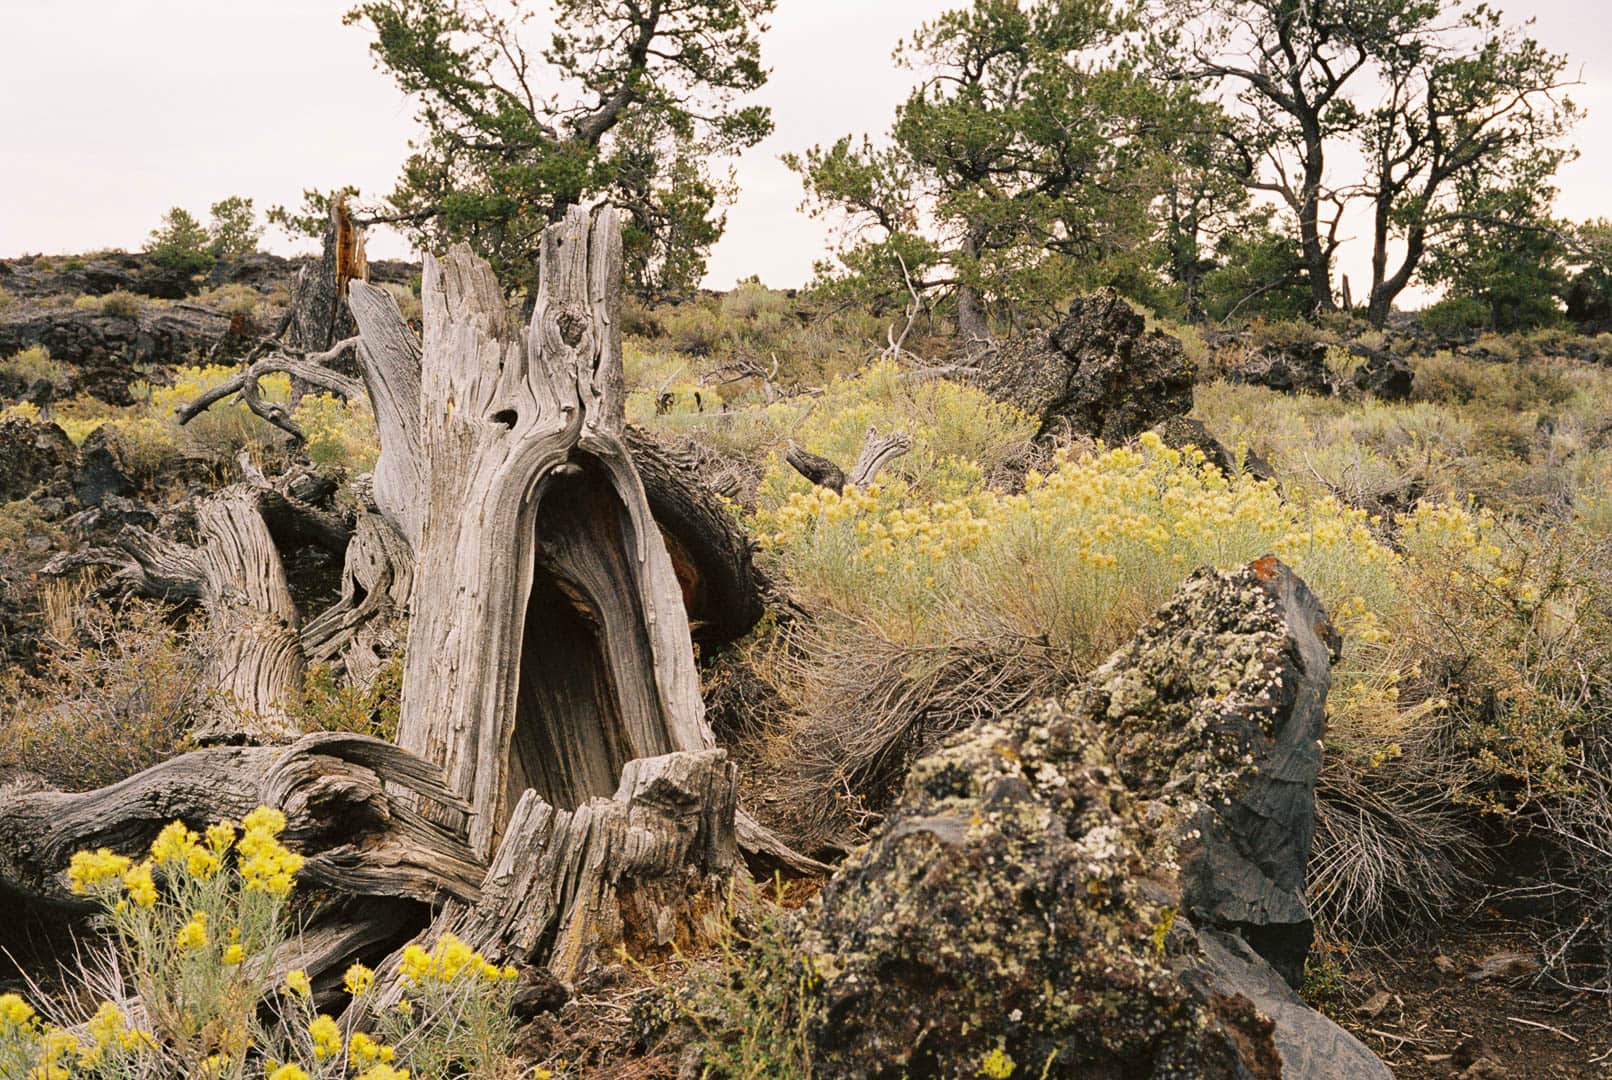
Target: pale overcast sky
{"points": [[111, 111]]}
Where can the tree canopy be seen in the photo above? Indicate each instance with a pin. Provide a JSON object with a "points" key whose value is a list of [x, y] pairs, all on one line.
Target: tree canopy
{"points": [[1017, 166], [628, 101], [1426, 93]]}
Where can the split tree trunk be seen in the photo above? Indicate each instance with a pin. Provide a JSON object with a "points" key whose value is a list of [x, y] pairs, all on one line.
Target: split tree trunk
{"points": [[548, 645]]}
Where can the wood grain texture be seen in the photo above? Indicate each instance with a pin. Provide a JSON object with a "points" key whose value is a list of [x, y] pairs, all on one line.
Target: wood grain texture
{"points": [[346, 799]]}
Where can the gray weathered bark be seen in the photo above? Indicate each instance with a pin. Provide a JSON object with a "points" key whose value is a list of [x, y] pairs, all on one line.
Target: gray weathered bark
{"points": [[548, 645]]}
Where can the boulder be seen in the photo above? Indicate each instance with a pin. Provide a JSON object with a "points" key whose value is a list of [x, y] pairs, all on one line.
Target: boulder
{"points": [[1214, 714], [32, 455], [1063, 892], [1384, 376], [101, 471], [1010, 906], [1098, 373], [1296, 368]]}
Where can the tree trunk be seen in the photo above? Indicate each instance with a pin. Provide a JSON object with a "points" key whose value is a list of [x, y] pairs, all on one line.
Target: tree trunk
{"points": [[548, 644]]}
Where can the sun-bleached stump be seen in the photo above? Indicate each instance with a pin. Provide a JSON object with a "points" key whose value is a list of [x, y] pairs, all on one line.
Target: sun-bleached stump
{"points": [[548, 645], [568, 887]]}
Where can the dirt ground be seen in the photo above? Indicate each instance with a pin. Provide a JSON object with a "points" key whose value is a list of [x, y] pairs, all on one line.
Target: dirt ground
{"points": [[1427, 1013]]}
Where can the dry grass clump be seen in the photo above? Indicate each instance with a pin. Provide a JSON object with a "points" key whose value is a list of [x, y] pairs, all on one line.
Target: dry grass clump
{"points": [[114, 693], [34, 364]]}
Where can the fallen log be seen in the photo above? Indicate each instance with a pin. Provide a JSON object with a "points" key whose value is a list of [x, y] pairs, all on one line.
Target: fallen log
{"points": [[346, 799], [877, 452]]}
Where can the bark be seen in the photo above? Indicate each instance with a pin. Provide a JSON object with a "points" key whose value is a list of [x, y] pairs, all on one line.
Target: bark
{"points": [[548, 644], [711, 553], [877, 452], [343, 796]]}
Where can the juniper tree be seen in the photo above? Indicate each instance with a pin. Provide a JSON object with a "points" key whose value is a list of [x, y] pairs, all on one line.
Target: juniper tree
{"points": [[1018, 163], [625, 100]]}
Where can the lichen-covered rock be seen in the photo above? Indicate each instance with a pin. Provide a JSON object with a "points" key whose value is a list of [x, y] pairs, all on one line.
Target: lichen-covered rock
{"points": [[1295, 368], [32, 454], [1063, 889], [1011, 907], [1098, 374], [1215, 710]]}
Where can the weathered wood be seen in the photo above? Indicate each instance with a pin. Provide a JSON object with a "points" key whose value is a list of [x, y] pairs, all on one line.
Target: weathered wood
{"points": [[310, 370], [346, 799], [548, 642], [877, 452], [567, 887], [711, 553], [255, 664], [359, 632]]}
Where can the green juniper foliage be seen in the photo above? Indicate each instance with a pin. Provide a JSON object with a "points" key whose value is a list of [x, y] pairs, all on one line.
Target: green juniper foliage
{"points": [[627, 102]]}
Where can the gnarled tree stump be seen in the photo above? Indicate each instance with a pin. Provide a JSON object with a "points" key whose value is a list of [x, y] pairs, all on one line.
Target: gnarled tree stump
{"points": [[548, 645]]}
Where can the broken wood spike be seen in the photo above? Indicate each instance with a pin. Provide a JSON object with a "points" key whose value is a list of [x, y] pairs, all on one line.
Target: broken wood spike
{"points": [[877, 452]]}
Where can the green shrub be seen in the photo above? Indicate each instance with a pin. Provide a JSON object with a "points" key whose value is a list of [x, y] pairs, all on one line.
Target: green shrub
{"points": [[328, 705], [750, 1000], [121, 303], [1455, 317], [33, 364], [197, 928], [181, 243]]}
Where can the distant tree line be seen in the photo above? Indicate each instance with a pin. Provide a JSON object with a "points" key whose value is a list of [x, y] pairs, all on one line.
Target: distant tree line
{"points": [[1197, 155]]}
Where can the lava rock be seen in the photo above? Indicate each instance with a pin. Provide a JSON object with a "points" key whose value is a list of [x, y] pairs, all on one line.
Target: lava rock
{"points": [[1070, 888], [32, 454], [1215, 710], [1309, 1045], [1004, 908], [112, 351], [1384, 376], [1297, 368], [101, 470], [1098, 374], [1180, 432]]}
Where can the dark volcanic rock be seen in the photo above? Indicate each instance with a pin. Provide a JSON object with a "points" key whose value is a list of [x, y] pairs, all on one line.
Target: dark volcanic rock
{"points": [[32, 454], [1215, 709], [1004, 908], [1097, 374], [1179, 432], [112, 351], [1035, 898], [1297, 368], [1384, 376], [101, 473]]}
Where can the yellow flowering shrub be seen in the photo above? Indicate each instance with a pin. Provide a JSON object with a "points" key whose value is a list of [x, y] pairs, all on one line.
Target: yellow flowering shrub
{"points": [[198, 923], [454, 1018], [1081, 556], [339, 433]]}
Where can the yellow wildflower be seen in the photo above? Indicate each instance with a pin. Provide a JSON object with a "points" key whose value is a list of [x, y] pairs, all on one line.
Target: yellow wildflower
{"points": [[297, 982], [139, 885], [193, 935], [289, 1072], [91, 869], [326, 1036], [358, 979]]}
